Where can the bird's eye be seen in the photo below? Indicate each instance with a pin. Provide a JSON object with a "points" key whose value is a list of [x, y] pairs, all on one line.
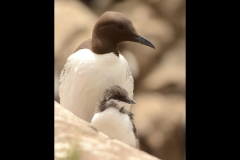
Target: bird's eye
{"points": [[120, 26]]}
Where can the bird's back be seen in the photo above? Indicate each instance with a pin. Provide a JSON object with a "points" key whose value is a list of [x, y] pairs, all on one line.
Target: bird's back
{"points": [[85, 77]]}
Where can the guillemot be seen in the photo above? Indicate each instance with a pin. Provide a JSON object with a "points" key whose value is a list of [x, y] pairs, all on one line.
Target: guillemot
{"points": [[98, 64], [112, 119]]}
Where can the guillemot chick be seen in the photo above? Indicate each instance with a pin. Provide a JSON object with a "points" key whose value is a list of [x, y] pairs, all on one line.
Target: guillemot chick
{"points": [[97, 64], [112, 119]]}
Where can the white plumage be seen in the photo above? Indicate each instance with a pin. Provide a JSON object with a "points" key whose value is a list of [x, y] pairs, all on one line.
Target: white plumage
{"points": [[87, 75], [116, 125]]}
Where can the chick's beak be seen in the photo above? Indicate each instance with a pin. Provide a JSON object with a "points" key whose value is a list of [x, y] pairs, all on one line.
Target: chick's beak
{"points": [[130, 101]]}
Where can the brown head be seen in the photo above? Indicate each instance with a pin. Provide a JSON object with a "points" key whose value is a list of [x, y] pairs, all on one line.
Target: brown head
{"points": [[113, 28]]}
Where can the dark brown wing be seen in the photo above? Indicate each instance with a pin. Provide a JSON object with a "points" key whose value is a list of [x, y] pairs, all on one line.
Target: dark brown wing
{"points": [[86, 44]]}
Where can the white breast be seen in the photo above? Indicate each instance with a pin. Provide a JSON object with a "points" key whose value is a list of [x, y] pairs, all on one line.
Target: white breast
{"points": [[86, 76], [116, 125]]}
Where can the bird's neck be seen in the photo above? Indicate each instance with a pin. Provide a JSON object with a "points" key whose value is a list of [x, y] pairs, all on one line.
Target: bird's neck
{"points": [[103, 45], [111, 104]]}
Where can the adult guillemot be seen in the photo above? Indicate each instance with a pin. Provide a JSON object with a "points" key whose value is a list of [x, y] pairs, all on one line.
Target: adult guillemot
{"points": [[97, 64], [112, 119]]}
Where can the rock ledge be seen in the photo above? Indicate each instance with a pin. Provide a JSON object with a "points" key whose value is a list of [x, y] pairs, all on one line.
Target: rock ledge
{"points": [[77, 139]]}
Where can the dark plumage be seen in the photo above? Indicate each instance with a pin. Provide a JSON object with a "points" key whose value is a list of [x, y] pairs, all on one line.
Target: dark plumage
{"points": [[130, 114], [111, 29], [118, 93]]}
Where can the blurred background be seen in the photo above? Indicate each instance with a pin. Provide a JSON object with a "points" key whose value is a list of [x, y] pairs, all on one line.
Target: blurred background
{"points": [[159, 74]]}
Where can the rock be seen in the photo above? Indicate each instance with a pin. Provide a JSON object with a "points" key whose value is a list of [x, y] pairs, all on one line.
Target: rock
{"points": [[169, 75], [151, 26], [159, 121], [99, 7], [56, 86], [173, 10], [77, 139], [159, 74]]}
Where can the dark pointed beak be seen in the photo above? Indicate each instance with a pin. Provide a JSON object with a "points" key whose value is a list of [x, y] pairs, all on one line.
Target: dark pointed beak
{"points": [[130, 101], [142, 40]]}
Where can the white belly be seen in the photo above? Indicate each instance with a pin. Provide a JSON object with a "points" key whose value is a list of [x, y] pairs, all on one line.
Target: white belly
{"points": [[116, 125], [87, 75]]}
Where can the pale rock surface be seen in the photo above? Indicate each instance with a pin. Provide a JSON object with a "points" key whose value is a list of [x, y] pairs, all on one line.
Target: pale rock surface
{"points": [[169, 74], [76, 139], [151, 26], [160, 121], [160, 74]]}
